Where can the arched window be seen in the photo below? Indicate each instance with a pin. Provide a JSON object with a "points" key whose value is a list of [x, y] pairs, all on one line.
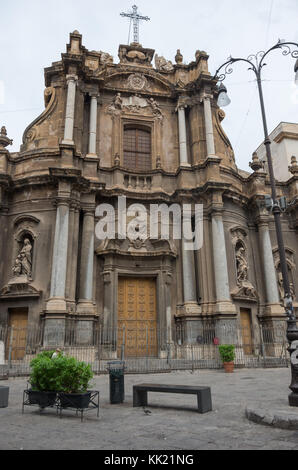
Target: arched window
{"points": [[137, 149]]}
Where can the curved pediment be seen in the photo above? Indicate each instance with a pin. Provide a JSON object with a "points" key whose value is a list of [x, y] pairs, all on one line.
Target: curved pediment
{"points": [[128, 247], [138, 81]]}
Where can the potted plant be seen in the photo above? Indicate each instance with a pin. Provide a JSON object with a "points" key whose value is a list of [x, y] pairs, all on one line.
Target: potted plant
{"points": [[43, 380], [227, 354], [73, 382]]}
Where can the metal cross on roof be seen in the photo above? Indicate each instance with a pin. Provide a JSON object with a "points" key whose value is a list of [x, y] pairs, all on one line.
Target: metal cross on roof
{"points": [[136, 19]]}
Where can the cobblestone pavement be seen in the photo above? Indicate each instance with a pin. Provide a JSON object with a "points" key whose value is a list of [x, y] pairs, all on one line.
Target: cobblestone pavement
{"points": [[173, 423]]}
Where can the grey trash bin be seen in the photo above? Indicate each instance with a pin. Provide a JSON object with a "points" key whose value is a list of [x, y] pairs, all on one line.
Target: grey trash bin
{"points": [[4, 391], [116, 371]]}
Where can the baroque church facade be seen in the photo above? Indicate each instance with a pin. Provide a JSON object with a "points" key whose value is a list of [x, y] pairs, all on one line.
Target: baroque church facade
{"points": [[152, 133]]}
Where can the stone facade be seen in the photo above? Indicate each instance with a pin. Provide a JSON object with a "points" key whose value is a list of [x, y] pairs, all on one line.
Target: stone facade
{"points": [[72, 160]]}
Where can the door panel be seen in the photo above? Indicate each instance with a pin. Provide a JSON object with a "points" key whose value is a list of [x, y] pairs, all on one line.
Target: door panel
{"points": [[18, 320], [245, 317], [137, 317]]}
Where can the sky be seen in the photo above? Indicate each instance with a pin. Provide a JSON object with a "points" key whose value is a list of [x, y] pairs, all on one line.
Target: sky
{"points": [[34, 33]]}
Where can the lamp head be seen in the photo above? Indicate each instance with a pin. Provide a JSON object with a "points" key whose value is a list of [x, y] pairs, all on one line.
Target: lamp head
{"points": [[296, 72], [223, 99]]}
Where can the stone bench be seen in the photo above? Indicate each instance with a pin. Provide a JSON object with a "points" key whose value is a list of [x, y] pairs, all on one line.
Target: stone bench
{"points": [[140, 394]]}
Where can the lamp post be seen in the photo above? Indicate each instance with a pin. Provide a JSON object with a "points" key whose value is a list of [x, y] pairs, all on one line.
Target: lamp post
{"points": [[256, 64]]}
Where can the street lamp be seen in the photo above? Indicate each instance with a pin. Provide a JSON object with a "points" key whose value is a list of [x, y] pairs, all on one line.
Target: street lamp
{"points": [[256, 64]]}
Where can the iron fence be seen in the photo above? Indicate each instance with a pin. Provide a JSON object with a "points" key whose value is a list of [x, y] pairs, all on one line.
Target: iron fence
{"points": [[146, 349]]}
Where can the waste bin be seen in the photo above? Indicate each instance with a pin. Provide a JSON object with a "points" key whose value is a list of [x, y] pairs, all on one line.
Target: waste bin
{"points": [[4, 392], [116, 371]]}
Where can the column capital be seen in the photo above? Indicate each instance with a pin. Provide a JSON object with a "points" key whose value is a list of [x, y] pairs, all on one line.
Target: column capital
{"points": [[94, 94], [71, 78]]}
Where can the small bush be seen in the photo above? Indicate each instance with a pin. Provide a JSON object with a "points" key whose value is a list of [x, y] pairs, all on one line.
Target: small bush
{"points": [[61, 374], [227, 352]]}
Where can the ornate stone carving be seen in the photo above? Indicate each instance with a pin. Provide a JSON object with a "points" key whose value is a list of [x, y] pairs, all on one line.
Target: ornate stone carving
{"points": [[241, 265], [135, 104], [244, 289], [256, 163], [162, 64], [291, 270], [137, 81], [106, 58], [179, 57], [23, 263], [135, 54], [4, 140]]}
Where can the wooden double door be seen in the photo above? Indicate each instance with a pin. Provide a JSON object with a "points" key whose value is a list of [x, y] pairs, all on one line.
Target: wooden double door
{"points": [[137, 317]]}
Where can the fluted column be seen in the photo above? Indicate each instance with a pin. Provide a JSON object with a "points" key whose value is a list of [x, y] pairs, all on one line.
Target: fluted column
{"points": [[85, 304], [272, 295], [208, 126], [182, 136], [93, 125], [59, 258], [70, 109]]}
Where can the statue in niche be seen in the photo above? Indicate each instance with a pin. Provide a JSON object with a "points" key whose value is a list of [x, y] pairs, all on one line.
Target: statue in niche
{"points": [[281, 287], [241, 263], [23, 263]]}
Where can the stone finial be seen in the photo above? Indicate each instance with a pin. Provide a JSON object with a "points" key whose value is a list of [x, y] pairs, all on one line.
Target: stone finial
{"points": [[4, 140], [293, 168], [256, 163], [179, 57]]}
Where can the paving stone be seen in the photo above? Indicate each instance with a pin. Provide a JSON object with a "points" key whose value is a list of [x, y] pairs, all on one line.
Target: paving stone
{"points": [[122, 427]]}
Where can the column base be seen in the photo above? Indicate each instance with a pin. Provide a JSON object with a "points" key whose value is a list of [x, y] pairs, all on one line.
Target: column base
{"points": [[67, 142], [225, 307], [92, 156], [85, 307], [190, 308], [54, 331], [56, 304], [185, 164], [274, 310]]}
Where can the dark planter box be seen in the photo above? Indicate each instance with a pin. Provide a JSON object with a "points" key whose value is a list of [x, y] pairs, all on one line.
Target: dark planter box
{"points": [[4, 392], [43, 399], [75, 400]]}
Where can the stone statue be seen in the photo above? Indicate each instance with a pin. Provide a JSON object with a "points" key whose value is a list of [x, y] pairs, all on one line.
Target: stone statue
{"points": [[242, 268], [162, 64], [179, 57], [3, 130], [281, 287], [154, 106], [118, 101], [106, 58], [23, 263]]}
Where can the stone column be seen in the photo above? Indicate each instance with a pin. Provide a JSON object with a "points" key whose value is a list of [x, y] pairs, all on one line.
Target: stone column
{"points": [[85, 304], [208, 126], [272, 295], [59, 260], [182, 136], [222, 288], [93, 125], [71, 275], [70, 109]]}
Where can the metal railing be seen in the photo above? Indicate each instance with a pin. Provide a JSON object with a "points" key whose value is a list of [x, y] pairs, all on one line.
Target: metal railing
{"points": [[146, 349]]}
